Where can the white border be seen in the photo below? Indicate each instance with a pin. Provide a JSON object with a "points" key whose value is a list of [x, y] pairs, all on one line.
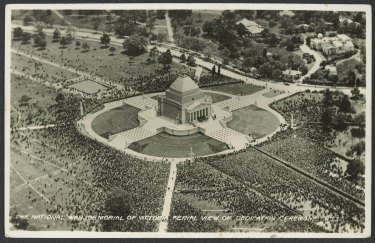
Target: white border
{"points": [[194, 6]]}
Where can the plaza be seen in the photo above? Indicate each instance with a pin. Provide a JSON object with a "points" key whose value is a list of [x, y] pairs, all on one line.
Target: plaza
{"points": [[145, 120]]}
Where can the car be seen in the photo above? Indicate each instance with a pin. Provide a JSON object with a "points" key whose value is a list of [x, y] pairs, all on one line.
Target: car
{"points": [[287, 84]]}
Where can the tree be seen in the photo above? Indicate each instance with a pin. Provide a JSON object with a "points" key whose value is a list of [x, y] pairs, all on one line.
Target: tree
{"points": [[112, 49], [78, 44], [27, 20], [264, 53], [43, 44], [213, 72], [150, 23], [105, 39], [327, 118], [166, 59], [26, 37], [63, 42], [190, 61], [345, 105], [95, 25], [327, 99], [86, 46], [56, 35], [19, 223], [39, 38], [135, 45], [160, 14], [218, 70], [183, 58], [355, 168], [17, 33], [308, 41], [160, 37], [24, 100], [355, 93]]}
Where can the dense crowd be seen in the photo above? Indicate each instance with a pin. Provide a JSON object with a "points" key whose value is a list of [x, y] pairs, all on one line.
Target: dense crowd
{"points": [[274, 182], [311, 158]]}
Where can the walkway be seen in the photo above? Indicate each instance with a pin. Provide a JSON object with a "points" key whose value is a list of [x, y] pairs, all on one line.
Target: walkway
{"points": [[35, 127], [163, 226], [169, 28], [318, 60]]}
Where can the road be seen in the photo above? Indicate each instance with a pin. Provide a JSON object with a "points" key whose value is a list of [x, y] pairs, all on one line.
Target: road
{"points": [[177, 52], [318, 60]]}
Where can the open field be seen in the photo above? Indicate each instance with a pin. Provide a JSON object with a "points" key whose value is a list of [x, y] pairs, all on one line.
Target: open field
{"points": [[118, 68], [254, 121], [40, 96], [116, 120], [166, 145], [40, 70], [237, 89]]}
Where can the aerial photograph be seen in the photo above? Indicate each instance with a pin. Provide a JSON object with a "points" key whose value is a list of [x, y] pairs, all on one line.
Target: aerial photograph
{"points": [[163, 121]]}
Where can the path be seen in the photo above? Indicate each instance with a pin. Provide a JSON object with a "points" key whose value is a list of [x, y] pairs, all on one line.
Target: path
{"points": [[163, 226], [318, 60], [176, 52], [169, 27], [35, 127]]}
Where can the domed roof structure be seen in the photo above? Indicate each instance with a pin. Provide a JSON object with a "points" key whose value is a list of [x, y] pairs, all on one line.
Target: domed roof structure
{"points": [[184, 84], [320, 35]]}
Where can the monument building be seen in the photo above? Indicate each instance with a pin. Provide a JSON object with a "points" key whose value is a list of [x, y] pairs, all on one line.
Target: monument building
{"points": [[184, 101]]}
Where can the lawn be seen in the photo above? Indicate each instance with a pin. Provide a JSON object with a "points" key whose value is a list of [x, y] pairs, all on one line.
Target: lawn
{"points": [[116, 120], [119, 68], [89, 86], [237, 89], [39, 95], [272, 93], [40, 70], [254, 121], [166, 145], [343, 68]]}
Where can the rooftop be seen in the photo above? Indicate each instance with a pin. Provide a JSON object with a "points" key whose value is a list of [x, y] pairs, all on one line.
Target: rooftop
{"points": [[184, 83]]}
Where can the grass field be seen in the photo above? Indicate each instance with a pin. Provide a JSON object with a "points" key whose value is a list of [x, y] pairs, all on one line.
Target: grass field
{"points": [[40, 70], [39, 95], [116, 120], [89, 86], [237, 89], [118, 68], [166, 145], [254, 121], [272, 93]]}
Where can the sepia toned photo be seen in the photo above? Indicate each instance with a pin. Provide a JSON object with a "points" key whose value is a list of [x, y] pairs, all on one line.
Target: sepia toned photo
{"points": [[188, 120]]}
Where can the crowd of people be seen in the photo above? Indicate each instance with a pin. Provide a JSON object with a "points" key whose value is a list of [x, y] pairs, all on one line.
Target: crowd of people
{"points": [[311, 158], [102, 168], [277, 185]]}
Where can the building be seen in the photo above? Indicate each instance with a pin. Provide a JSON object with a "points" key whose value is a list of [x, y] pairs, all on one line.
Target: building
{"points": [[252, 27], [184, 101], [332, 71], [332, 45], [291, 75]]}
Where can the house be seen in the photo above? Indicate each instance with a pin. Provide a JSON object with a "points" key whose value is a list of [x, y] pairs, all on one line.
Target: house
{"points": [[332, 45], [290, 75], [343, 19], [254, 29], [332, 71]]}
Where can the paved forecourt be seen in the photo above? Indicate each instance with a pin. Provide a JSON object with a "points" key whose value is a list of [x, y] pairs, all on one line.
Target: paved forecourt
{"points": [[150, 124]]}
